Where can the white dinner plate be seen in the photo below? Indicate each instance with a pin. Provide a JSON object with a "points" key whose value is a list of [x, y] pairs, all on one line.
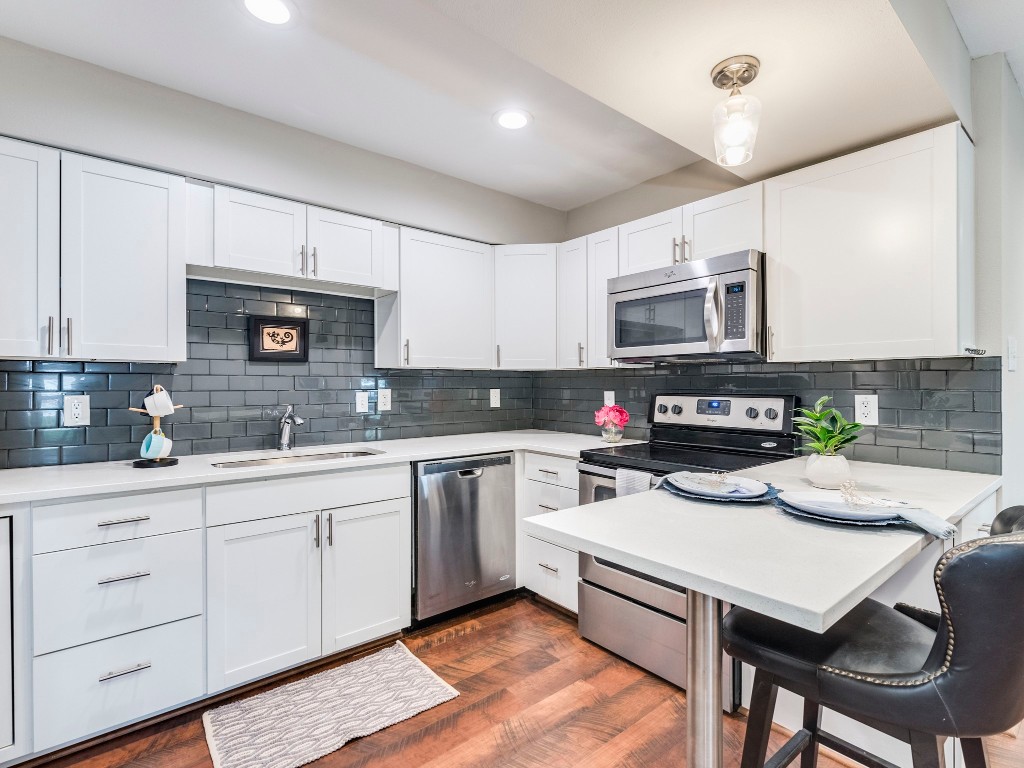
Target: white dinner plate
{"points": [[830, 504], [732, 487]]}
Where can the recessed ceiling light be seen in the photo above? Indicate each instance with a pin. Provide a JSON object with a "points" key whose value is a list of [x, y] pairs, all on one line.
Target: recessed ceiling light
{"points": [[270, 11], [513, 119]]}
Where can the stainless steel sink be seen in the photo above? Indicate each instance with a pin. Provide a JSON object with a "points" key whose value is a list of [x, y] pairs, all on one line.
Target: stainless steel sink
{"points": [[298, 459]]}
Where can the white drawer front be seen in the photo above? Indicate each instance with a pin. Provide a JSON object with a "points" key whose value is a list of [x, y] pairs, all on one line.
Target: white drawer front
{"points": [[260, 499], [99, 521], [552, 572], [550, 498], [552, 469], [89, 593], [79, 692]]}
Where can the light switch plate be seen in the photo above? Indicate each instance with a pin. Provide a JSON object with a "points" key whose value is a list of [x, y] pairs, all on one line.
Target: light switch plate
{"points": [[495, 398], [865, 409], [383, 399], [76, 410], [362, 401], [609, 397]]}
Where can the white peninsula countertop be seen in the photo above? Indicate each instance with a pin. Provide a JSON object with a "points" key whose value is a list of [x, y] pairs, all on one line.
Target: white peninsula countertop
{"points": [[74, 480], [806, 573]]}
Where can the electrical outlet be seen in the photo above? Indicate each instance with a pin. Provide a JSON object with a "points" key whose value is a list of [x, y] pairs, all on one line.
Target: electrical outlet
{"points": [[383, 399], [495, 398], [362, 401], [76, 410], [609, 397], [865, 409]]}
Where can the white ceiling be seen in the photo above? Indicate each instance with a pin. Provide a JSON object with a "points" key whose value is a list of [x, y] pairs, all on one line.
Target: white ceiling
{"points": [[392, 77], [993, 26]]}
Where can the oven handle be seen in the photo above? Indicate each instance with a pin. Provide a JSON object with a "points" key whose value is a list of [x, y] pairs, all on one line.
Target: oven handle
{"points": [[712, 324], [593, 469]]}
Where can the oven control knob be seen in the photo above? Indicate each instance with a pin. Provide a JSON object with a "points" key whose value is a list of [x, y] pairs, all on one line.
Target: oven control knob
{"points": [[677, 409], [662, 408], [771, 414], [753, 413]]}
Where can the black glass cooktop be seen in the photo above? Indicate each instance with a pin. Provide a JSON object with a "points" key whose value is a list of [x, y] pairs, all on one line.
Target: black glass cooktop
{"points": [[663, 459]]}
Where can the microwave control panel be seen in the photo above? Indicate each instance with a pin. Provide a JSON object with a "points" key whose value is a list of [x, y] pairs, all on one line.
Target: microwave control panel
{"points": [[735, 310]]}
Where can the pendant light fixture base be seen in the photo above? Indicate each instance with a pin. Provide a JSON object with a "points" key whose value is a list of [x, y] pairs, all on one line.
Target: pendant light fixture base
{"points": [[735, 72]]}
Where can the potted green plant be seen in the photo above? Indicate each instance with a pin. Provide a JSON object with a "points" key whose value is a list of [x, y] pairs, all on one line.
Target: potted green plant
{"points": [[827, 432]]}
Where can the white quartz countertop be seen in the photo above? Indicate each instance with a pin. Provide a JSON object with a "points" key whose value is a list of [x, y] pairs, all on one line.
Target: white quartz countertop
{"points": [[806, 573], [72, 480]]}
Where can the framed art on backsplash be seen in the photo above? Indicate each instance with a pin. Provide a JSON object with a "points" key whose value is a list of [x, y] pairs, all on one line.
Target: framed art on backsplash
{"points": [[278, 339]]}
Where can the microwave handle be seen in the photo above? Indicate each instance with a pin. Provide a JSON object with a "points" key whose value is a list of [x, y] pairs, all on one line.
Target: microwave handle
{"points": [[712, 321]]}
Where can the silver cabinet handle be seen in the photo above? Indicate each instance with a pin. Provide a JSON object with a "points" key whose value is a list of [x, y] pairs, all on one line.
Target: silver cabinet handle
{"points": [[771, 343], [498, 348], [986, 528], [579, 352], [330, 529], [125, 577], [123, 521], [406, 351], [675, 250], [69, 336], [549, 509], [49, 337], [302, 260], [125, 671], [548, 472], [683, 258], [315, 261], [316, 531], [548, 567]]}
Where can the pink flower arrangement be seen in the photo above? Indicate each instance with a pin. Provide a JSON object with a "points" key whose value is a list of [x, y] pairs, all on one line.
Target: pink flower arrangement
{"points": [[615, 414]]}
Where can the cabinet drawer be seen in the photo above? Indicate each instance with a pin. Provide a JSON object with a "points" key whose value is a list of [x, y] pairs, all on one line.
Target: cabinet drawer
{"points": [[552, 469], [99, 521], [102, 685], [261, 499], [89, 593], [552, 572], [544, 497]]}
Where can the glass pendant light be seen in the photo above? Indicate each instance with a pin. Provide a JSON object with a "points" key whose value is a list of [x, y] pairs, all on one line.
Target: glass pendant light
{"points": [[735, 120]]}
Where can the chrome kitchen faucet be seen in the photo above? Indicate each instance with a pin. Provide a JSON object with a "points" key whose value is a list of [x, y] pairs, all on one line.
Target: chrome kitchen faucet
{"points": [[287, 421]]}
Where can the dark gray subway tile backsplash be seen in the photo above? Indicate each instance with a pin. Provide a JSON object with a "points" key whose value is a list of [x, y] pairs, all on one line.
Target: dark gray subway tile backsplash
{"points": [[940, 413]]}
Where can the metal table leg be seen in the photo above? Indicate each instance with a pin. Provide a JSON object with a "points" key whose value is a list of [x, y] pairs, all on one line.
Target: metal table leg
{"points": [[703, 681]]}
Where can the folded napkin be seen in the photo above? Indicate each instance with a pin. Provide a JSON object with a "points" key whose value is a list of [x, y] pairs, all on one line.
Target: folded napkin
{"points": [[629, 481], [922, 518]]}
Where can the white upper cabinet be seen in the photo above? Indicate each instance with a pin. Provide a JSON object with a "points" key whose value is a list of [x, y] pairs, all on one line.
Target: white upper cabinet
{"points": [[447, 302], [259, 233], [30, 244], [602, 265], [344, 248], [871, 255], [525, 312], [726, 223], [122, 261], [651, 242], [199, 218], [573, 290]]}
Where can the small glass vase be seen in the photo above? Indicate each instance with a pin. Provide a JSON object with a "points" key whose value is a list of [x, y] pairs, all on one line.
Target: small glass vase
{"points": [[611, 433]]}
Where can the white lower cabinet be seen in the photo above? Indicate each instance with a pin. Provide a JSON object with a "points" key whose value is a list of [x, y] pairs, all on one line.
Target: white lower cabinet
{"points": [[263, 597], [367, 552], [552, 572], [101, 685]]}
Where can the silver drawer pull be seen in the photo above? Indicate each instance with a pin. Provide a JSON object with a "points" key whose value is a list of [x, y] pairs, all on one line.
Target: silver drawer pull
{"points": [[548, 567], [125, 671], [548, 472], [125, 577], [549, 509], [123, 521]]}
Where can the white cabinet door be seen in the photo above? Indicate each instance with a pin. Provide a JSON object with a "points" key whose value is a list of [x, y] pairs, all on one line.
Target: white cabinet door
{"points": [[344, 248], [122, 261], [447, 301], [525, 306], [573, 290], [30, 244], [199, 216], [367, 572], [259, 233], [263, 597], [863, 253], [651, 242], [552, 572], [602, 265], [726, 223]]}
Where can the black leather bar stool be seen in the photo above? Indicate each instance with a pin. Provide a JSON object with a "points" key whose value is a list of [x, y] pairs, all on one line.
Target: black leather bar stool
{"points": [[916, 675]]}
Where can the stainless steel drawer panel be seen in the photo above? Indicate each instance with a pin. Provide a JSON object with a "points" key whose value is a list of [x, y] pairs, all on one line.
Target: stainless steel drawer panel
{"points": [[665, 598], [650, 640]]}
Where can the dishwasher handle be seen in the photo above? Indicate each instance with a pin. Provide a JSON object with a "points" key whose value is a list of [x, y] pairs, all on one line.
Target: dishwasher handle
{"points": [[466, 474]]}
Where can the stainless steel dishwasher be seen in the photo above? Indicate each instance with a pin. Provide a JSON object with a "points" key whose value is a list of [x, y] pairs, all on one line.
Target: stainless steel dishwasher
{"points": [[465, 531]]}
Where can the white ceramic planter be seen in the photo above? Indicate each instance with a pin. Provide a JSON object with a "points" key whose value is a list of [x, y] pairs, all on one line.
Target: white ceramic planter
{"points": [[827, 471]]}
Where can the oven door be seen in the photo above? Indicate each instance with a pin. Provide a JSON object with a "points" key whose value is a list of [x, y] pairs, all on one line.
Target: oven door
{"points": [[596, 483]]}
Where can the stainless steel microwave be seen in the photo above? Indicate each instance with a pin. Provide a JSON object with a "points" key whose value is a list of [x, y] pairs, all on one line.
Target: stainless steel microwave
{"points": [[710, 309]]}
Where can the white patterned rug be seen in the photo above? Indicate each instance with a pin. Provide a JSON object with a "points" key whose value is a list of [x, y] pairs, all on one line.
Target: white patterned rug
{"points": [[305, 720]]}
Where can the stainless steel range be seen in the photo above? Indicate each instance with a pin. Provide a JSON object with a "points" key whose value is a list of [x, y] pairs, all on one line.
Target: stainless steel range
{"points": [[644, 619]]}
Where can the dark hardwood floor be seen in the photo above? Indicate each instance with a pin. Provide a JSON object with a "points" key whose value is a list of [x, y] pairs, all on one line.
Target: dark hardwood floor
{"points": [[532, 694]]}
